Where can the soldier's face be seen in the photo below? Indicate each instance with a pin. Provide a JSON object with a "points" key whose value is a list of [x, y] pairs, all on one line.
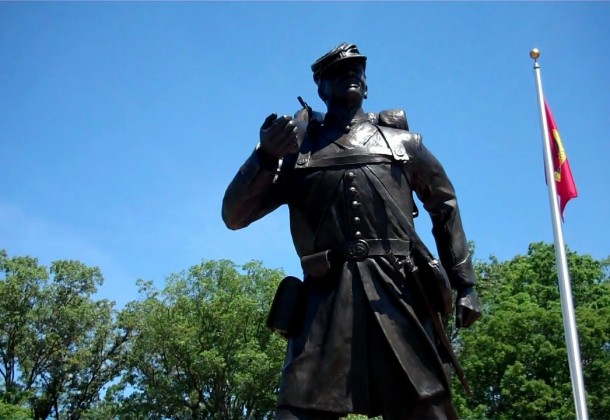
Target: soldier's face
{"points": [[343, 82]]}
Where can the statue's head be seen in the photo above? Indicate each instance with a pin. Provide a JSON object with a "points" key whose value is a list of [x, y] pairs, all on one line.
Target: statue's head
{"points": [[340, 75]]}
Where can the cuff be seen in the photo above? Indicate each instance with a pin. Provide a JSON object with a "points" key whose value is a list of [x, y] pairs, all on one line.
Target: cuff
{"points": [[265, 160]]}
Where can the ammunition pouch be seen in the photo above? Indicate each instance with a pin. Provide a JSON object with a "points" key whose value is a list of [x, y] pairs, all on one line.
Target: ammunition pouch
{"points": [[317, 265], [288, 307]]}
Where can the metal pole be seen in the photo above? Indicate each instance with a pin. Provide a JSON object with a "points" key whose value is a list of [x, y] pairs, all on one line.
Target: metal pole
{"points": [[565, 288]]}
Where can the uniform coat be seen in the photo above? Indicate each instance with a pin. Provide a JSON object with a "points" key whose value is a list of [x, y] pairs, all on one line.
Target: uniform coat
{"points": [[365, 336]]}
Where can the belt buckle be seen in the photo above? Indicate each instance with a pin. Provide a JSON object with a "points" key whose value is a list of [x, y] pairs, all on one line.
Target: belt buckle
{"points": [[355, 250]]}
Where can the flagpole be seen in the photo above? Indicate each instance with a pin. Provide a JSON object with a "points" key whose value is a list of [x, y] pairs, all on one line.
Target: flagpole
{"points": [[565, 288]]}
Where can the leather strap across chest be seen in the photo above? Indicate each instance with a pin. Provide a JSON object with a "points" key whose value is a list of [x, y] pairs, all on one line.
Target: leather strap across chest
{"points": [[379, 145], [345, 158]]}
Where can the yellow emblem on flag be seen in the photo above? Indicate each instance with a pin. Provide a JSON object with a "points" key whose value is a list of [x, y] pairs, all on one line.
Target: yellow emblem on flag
{"points": [[561, 154]]}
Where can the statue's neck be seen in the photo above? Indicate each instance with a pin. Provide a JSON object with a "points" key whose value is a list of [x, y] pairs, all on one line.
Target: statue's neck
{"points": [[345, 115]]}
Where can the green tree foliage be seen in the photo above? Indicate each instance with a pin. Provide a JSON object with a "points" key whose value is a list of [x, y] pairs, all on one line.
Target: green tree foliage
{"points": [[14, 412], [202, 349], [199, 347], [515, 357], [58, 346]]}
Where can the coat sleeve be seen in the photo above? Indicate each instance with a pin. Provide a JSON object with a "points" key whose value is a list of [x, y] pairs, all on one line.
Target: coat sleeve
{"points": [[253, 193], [433, 188]]}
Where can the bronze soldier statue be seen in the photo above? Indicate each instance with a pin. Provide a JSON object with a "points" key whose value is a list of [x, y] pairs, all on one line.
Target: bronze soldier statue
{"points": [[366, 333]]}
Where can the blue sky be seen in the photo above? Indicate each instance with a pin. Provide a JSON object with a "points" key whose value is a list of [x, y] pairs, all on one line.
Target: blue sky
{"points": [[121, 124]]}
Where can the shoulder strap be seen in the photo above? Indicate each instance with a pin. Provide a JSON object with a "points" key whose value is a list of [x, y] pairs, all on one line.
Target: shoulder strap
{"points": [[398, 213], [400, 152]]}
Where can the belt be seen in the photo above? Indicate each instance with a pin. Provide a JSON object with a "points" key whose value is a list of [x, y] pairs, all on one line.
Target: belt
{"points": [[320, 263], [361, 248]]}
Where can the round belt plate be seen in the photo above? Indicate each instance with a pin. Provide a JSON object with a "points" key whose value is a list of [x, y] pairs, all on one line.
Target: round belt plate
{"points": [[357, 249]]}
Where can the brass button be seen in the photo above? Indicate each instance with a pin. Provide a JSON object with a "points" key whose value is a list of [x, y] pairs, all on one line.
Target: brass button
{"points": [[355, 204], [358, 235], [356, 220], [353, 190], [350, 175]]}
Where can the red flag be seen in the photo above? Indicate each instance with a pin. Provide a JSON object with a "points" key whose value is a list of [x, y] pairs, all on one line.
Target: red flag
{"points": [[564, 182]]}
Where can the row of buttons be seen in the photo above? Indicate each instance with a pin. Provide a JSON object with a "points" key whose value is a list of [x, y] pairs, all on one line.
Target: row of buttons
{"points": [[355, 204]]}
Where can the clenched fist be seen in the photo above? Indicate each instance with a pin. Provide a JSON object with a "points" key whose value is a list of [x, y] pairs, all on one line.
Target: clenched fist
{"points": [[280, 136], [467, 308]]}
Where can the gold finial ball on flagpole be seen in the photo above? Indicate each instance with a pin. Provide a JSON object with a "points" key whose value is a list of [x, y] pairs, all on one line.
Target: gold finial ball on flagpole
{"points": [[535, 53]]}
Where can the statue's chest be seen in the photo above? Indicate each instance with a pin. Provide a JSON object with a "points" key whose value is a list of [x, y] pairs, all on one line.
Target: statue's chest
{"points": [[362, 144], [363, 135]]}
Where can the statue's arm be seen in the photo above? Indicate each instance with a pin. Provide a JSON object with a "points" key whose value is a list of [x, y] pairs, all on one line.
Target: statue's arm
{"points": [[437, 194], [252, 194]]}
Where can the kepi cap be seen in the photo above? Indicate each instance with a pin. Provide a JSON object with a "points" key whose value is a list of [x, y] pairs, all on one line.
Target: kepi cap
{"points": [[341, 52]]}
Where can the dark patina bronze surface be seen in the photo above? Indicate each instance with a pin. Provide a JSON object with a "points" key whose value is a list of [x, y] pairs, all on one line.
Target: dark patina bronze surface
{"points": [[368, 338]]}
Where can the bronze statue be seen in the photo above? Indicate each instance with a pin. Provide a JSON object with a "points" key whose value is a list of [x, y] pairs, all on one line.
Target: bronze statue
{"points": [[365, 327]]}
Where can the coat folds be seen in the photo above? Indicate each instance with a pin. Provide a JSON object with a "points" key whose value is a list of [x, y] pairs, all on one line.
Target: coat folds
{"points": [[365, 334]]}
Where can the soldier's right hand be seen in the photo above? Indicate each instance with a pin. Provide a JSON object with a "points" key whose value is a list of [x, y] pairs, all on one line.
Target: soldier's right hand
{"points": [[279, 136], [467, 308]]}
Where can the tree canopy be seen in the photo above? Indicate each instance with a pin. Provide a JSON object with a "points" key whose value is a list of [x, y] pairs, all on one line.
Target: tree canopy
{"points": [[201, 349], [198, 347], [58, 346], [516, 357]]}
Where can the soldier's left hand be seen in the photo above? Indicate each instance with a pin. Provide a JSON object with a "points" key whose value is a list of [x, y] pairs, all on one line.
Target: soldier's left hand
{"points": [[279, 136], [467, 307]]}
